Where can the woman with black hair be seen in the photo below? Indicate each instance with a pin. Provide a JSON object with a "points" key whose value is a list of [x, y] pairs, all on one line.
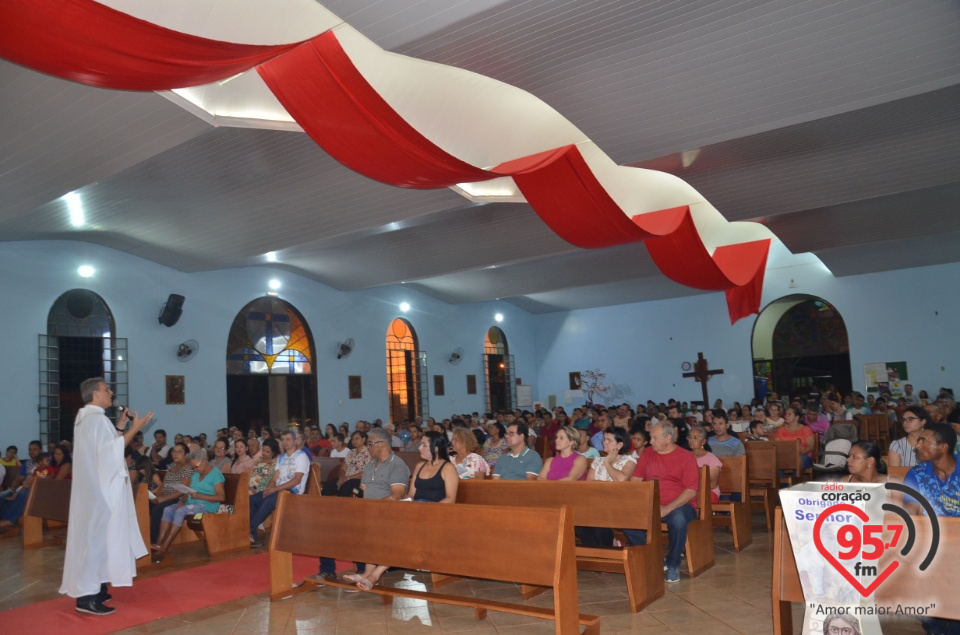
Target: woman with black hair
{"points": [[865, 464], [434, 480], [903, 451]]}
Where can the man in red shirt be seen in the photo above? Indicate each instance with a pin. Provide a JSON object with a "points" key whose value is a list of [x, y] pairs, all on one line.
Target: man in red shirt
{"points": [[676, 471]]}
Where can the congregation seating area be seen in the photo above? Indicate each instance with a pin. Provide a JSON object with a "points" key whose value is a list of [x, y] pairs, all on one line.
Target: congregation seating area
{"points": [[434, 566]]}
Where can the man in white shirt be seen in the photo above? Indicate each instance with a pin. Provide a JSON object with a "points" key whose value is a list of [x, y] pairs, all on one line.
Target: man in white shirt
{"points": [[340, 450], [103, 540], [290, 475]]}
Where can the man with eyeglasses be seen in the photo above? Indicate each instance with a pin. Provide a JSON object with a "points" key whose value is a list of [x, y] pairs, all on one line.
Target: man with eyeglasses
{"points": [[103, 542], [386, 476], [520, 463]]}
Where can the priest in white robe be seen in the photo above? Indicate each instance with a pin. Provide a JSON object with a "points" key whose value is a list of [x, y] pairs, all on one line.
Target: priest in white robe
{"points": [[103, 540]]}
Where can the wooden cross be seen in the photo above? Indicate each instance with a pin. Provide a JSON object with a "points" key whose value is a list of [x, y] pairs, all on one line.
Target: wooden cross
{"points": [[702, 373]]}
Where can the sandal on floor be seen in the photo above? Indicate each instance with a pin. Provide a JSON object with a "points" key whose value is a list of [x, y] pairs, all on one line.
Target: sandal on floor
{"points": [[353, 578], [365, 584]]}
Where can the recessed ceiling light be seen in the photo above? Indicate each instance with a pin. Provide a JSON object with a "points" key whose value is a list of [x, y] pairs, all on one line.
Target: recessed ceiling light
{"points": [[86, 271], [271, 256], [75, 206], [498, 317], [404, 306], [274, 284]]}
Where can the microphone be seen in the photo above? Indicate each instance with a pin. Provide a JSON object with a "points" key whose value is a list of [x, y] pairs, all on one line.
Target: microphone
{"points": [[120, 409]]}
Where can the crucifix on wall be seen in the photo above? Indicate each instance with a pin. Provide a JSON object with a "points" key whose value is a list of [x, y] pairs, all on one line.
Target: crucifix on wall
{"points": [[702, 373]]}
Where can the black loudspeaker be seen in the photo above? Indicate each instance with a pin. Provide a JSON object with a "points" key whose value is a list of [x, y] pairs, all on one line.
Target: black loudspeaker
{"points": [[172, 309]]}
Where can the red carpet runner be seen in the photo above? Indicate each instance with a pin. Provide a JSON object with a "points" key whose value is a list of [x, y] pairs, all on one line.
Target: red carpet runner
{"points": [[156, 598]]}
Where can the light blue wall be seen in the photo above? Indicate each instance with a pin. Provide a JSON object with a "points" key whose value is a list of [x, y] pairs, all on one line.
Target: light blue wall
{"points": [[907, 315], [34, 274], [911, 315]]}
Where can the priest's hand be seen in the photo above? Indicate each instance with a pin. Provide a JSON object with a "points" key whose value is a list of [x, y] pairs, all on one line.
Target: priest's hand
{"points": [[140, 422]]}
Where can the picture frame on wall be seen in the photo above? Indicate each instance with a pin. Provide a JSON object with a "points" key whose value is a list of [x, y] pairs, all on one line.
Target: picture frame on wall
{"points": [[175, 389], [438, 385], [575, 381], [471, 384], [354, 387]]}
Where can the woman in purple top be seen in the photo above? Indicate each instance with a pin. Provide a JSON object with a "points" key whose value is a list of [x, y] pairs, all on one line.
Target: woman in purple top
{"points": [[568, 464]]}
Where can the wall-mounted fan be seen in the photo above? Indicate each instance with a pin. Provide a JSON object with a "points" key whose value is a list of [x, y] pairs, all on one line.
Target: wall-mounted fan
{"points": [[187, 350], [344, 348], [456, 356]]}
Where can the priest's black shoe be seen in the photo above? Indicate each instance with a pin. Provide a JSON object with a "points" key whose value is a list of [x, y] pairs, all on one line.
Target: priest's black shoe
{"points": [[94, 607]]}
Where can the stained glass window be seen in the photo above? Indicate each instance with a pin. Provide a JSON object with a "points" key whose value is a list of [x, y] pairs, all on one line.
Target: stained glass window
{"points": [[269, 337], [403, 372]]}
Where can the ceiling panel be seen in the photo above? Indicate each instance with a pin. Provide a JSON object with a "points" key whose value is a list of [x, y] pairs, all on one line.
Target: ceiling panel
{"points": [[834, 123]]}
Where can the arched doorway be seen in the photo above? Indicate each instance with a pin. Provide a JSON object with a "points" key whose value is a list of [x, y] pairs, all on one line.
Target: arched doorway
{"points": [[406, 373], [271, 379], [498, 371], [80, 343], [800, 346]]}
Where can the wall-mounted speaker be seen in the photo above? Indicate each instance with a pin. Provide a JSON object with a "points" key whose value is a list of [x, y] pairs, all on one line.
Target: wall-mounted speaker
{"points": [[171, 310]]}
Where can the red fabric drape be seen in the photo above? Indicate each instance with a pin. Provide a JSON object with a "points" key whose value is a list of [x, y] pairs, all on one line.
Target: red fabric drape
{"points": [[325, 93], [567, 196], [89, 43], [562, 190], [320, 87]]}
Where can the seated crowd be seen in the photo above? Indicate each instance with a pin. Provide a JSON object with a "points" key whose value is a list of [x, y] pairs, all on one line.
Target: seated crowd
{"points": [[667, 442]]}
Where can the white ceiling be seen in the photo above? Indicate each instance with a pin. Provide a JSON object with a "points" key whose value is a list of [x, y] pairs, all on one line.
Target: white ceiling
{"points": [[836, 124]]}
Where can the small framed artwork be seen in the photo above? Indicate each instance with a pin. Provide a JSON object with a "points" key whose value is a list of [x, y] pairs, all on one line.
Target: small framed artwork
{"points": [[175, 389], [438, 385], [354, 387], [575, 381], [471, 384]]}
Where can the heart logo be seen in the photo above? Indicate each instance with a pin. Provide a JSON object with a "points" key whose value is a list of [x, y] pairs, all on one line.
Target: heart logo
{"points": [[862, 515]]}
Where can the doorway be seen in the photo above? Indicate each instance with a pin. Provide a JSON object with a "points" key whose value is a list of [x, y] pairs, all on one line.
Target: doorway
{"points": [[800, 347]]}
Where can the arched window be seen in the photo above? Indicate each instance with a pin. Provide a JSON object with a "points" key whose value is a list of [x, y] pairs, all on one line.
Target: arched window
{"points": [[406, 373], [270, 370], [80, 343], [800, 344], [498, 371]]}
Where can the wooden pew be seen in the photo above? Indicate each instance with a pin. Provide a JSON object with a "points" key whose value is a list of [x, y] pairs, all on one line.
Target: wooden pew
{"points": [[908, 586], [789, 461], [699, 547], [314, 480], [412, 459], [227, 533], [899, 472], [329, 468], [539, 549], [609, 505], [141, 504], [733, 480], [764, 477], [49, 499]]}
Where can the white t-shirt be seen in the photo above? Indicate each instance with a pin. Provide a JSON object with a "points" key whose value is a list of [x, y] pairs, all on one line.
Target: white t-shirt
{"points": [[289, 466], [341, 453]]}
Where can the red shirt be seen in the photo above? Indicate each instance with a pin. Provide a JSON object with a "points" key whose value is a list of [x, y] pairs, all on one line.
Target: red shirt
{"points": [[802, 433], [675, 471]]}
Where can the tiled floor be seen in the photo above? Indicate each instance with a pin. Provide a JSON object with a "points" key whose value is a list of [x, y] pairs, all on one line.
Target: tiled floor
{"points": [[732, 597]]}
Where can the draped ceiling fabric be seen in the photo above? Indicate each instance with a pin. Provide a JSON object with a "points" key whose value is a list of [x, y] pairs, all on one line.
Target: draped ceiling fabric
{"points": [[402, 121]]}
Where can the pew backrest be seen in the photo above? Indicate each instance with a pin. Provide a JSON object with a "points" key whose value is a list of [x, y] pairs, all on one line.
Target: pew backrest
{"points": [[627, 505], [762, 464], [734, 475], [49, 499], [361, 530]]}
